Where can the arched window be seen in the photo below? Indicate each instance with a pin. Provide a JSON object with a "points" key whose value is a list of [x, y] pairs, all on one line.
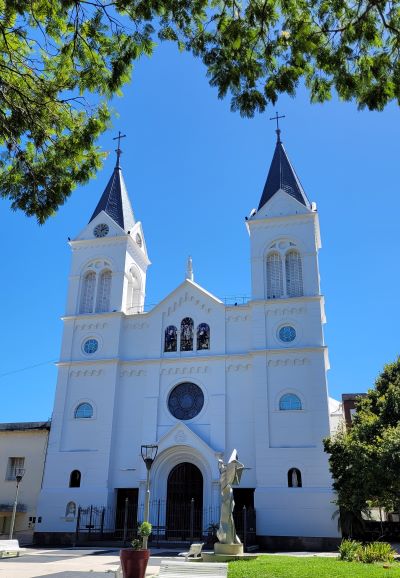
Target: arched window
{"points": [[294, 478], [274, 276], [75, 479], [203, 336], [87, 294], [135, 300], [187, 334], [103, 292], [84, 410], [70, 510], [170, 340], [289, 401], [294, 274]]}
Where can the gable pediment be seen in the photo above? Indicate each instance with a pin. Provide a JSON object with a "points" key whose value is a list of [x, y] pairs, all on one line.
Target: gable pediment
{"points": [[189, 296], [281, 205], [88, 232], [180, 434]]}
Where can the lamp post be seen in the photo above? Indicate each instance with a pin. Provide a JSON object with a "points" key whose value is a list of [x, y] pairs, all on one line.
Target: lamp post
{"points": [[19, 474], [149, 453]]}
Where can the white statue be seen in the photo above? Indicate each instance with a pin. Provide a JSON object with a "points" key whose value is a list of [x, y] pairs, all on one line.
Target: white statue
{"points": [[231, 473]]}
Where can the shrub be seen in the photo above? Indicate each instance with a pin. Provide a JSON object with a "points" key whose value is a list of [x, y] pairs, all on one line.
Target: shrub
{"points": [[349, 550], [377, 552]]}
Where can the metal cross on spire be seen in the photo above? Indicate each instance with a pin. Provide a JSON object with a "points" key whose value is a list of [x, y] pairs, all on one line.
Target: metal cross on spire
{"points": [[118, 149], [278, 130]]}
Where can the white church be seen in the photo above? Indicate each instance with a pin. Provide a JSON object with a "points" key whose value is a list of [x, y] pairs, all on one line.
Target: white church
{"points": [[195, 377]]}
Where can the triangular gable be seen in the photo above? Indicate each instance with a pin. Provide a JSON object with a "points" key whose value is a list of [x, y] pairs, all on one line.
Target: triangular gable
{"points": [[180, 434], [102, 217], [281, 204], [187, 288]]}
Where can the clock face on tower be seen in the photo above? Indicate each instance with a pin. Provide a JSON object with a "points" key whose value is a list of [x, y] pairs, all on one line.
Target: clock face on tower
{"points": [[101, 230]]}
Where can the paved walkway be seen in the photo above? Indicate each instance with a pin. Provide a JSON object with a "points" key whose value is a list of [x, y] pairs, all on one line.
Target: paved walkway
{"points": [[84, 563]]}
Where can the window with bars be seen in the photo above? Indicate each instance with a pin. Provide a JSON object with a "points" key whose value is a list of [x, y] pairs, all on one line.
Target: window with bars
{"points": [[274, 276], [103, 292], [14, 466], [294, 274], [87, 294]]}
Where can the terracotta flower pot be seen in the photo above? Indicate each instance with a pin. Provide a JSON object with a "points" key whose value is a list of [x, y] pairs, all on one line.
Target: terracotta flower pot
{"points": [[134, 562]]}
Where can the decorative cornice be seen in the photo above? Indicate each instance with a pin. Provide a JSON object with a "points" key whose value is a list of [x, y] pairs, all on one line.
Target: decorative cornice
{"points": [[85, 372], [288, 362], [185, 370], [238, 367], [188, 298], [133, 372], [90, 326]]}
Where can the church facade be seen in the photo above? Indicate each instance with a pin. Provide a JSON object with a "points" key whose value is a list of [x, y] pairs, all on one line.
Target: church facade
{"points": [[194, 376]]}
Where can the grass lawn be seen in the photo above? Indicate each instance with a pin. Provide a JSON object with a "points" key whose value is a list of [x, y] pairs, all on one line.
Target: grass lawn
{"points": [[310, 567]]}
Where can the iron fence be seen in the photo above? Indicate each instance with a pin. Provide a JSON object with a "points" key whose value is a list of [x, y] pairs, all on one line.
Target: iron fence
{"points": [[171, 523]]}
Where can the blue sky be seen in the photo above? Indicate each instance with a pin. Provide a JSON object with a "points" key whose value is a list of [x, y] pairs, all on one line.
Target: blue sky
{"points": [[193, 171]]}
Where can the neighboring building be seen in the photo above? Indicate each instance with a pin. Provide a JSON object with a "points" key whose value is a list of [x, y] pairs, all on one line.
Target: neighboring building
{"points": [[196, 377], [349, 401], [22, 450], [336, 415]]}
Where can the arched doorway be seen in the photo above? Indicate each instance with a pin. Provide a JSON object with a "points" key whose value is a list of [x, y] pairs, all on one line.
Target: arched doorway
{"points": [[184, 502]]}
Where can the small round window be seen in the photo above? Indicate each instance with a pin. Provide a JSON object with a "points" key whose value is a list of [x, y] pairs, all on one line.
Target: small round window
{"points": [[90, 346], [186, 401], [287, 333]]}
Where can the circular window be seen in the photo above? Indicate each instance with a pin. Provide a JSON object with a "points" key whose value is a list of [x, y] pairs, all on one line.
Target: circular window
{"points": [[90, 346], [185, 401], [287, 333]]}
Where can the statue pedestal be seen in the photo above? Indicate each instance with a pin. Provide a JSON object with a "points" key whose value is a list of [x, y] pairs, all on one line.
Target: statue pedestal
{"points": [[228, 549], [226, 553]]}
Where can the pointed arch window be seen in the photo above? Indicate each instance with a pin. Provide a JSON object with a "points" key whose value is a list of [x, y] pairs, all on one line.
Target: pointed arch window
{"points": [[87, 295], [103, 292], [294, 478], [203, 336], [290, 402], [171, 338], [294, 274], [75, 479], [187, 334], [274, 276]]}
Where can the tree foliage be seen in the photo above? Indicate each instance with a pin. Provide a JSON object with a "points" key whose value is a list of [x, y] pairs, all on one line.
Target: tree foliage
{"points": [[365, 460], [62, 61]]}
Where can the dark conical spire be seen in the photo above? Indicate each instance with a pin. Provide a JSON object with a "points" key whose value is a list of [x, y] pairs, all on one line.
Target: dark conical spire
{"points": [[282, 175], [115, 201]]}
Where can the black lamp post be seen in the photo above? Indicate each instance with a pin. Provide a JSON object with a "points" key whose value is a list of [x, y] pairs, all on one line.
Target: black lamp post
{"points": [[19, 474], [149, 453]]}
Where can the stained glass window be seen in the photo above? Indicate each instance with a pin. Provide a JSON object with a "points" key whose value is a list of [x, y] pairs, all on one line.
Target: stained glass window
{"points": [[186, 401], [187, 334], [289, 401], [90, 346], [203, 336], [287, 333], [170, 340]]}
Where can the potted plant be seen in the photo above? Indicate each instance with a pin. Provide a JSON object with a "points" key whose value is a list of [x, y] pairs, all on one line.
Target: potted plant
{"points": [[134, 560]]}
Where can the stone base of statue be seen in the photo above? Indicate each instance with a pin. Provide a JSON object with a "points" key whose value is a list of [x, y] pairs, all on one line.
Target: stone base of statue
{"points": [[226, 553], [228, 549]]}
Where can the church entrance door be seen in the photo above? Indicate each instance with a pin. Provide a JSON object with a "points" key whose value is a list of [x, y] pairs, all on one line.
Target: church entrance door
{"points": [[184, 502]]}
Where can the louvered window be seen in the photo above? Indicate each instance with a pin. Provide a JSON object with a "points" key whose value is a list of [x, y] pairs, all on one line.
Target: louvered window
{"points": [[103, 292], [14, 467], [274, 276], [87, 296], [294, 274]]}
